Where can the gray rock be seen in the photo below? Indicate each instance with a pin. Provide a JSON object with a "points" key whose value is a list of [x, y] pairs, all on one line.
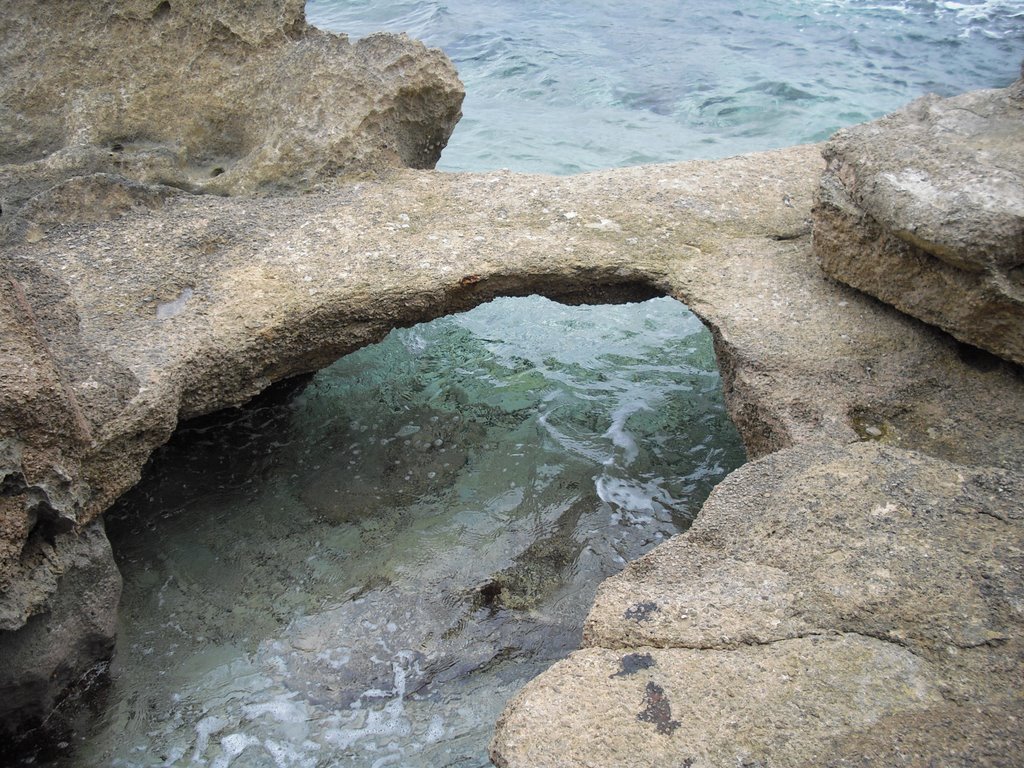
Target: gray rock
{"points": [[222, 97], [825, 596], [924, 209], [48, 657]]}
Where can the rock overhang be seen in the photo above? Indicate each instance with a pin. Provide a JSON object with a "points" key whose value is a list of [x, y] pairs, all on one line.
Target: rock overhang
{"points": [[924, 209]]}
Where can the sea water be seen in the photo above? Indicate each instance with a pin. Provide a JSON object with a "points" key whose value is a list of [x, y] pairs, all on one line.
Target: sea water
{"points": [[568, 87], [363, 570]]}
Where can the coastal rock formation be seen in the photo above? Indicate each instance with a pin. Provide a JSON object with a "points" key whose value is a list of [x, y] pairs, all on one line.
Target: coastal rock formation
{"points": [[924, 209], [233, 294], [831, 605], [221, 97], [136, 101], [128, 303], [57, 650]]}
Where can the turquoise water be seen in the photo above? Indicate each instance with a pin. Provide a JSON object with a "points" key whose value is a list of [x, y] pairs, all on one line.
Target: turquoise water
{"points": [[561, 88], [364, 570]]}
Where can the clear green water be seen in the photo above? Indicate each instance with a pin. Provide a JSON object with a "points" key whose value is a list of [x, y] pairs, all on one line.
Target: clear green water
{"points": [[364, 572]]}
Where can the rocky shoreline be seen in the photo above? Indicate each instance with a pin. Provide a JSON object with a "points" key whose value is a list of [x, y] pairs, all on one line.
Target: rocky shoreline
{"points": [[854, 595]]}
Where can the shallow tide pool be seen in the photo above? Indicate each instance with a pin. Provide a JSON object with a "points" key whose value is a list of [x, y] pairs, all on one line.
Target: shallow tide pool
{"points": [[364, 570]]}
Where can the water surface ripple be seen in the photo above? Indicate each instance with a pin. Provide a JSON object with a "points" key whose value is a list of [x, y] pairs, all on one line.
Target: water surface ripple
{"points": [[363, 572], [562, 88]]}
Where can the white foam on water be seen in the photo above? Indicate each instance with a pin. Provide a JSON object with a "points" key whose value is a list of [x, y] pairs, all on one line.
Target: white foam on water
{"points": [[624, 495], [620, 436], [391, 759], [283, 709], [204, 729], [389, 720], [231, 747], [288, 756], [571, 444], [436, 729]]}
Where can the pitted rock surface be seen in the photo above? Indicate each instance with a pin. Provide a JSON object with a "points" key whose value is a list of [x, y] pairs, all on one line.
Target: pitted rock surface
{"points": [[178, 304], [924, 209], [221, 97], [128, 302], [824, 595]]}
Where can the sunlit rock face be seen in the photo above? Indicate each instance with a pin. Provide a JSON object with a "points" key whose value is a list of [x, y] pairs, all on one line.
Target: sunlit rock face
{"points": [[222, 97]]}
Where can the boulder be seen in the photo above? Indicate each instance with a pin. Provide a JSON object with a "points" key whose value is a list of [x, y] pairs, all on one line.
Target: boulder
{"points": [[222, 97], [855, 605], [924, 209]]}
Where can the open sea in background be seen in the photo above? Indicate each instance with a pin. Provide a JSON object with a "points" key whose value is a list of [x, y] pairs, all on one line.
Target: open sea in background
{"points": [[361, 572], [568, 87]]}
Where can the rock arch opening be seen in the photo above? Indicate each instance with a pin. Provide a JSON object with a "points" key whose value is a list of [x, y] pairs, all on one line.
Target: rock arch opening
{"points": [[371, 560]]}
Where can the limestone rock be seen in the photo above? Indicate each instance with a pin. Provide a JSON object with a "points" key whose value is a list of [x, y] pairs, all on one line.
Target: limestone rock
{"points": [[755, 705], [824, 595], [126, 305], [924, 209], [135, 101], [223, 97], [155, 306], [45, 658]]}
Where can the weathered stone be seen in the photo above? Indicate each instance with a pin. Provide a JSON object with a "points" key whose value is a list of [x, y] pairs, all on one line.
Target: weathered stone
{"points": [[201, 301], [45, 658], [755, 705], [223, 97], [924, 209], [125, 305], [896, 580]]}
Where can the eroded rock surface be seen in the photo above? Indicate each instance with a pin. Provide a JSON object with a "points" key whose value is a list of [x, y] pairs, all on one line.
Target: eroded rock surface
{"points": [[924, 209], [222, 97], [824, 595], [46, 657], [829, 588], [181, 304], [113, 108]]}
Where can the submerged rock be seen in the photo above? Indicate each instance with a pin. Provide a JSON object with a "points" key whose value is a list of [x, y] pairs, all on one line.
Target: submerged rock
{"points": [[924, 209]]}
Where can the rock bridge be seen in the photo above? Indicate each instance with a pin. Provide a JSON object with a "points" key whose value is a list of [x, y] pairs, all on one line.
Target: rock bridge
{"points": [[859, 580]]}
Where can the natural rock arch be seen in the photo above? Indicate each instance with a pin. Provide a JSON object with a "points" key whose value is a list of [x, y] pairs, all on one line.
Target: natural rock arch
{"points": [[125, 306], [205, 301]]}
